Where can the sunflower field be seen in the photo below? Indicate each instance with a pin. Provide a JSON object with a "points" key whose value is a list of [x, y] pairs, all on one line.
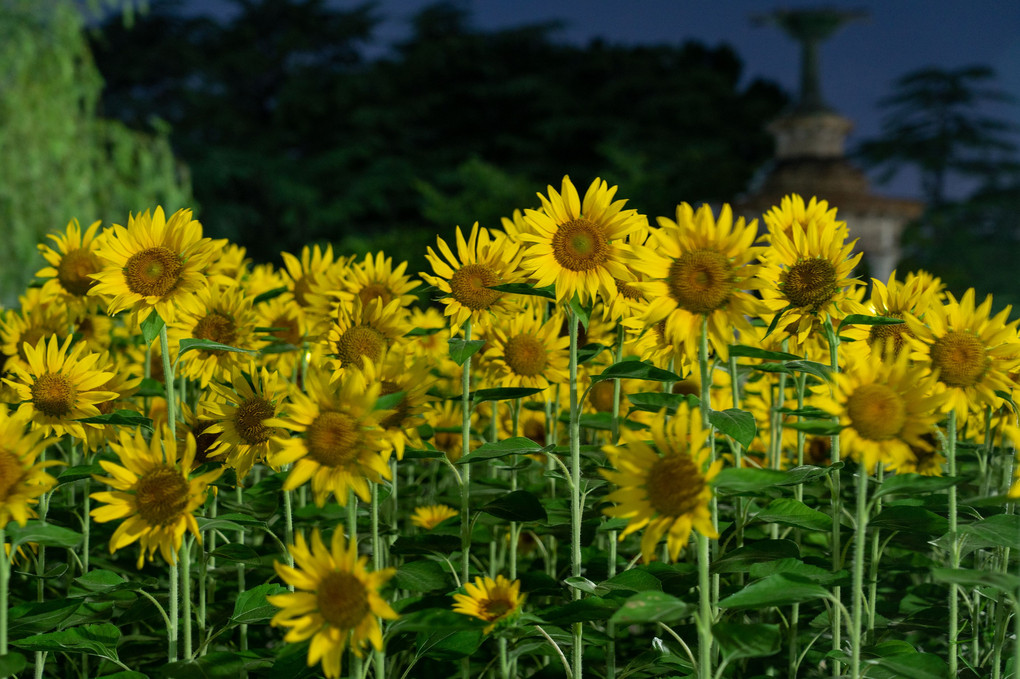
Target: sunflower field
{"points": [[581, 445]]}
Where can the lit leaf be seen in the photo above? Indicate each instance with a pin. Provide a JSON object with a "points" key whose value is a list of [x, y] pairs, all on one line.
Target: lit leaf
{"points": [[746, 640], [737, 424]]}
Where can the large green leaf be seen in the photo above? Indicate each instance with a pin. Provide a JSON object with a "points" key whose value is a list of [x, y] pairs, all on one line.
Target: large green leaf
{"points": [[100, 640], [1006, 582], [1001, 530], [11, 663], [741, 559], [752, 640], [651, 607], [29, 619], [251, 605], [732, 481], [775, 590], [548, 292], [908, 666], [41, 533], [462, 350], [583, 610], [790, 512], [517, 445], [911, 519], [653, 402], [198, 344], [636, 370], [421, 576], [517, 505], [861, 319], [129, 418], [151, 327], [914, 484], [737, 424], [742, 350], [504, 393]]}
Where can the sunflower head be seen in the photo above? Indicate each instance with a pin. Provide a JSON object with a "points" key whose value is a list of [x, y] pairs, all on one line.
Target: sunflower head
{"points": [[23, 479], [430, 516], [494, 601]]}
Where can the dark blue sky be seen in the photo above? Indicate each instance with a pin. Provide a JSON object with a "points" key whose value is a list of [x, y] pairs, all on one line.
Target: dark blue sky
{"points": [[859, 63]]}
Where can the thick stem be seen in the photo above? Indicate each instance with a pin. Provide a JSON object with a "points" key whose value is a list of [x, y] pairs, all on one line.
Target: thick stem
{"points": [[288, 528], [172, 596], [704, 610], [378, 557], [860, 545], [876, 555], [185, 557], [352, 536], [836, 506], [242, 629], [5, 580], [168, 379], [575, 491], [954, 548], [465, 486]]}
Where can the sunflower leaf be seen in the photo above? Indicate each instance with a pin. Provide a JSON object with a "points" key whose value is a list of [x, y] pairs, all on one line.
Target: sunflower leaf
{"points": [[129, 418], [775, 320], [908, 666], [861, 319], [517, 445], [41, 533], [252, 606], [779, 589], [100, 640], [196, 343], [389, 401], [11, 663], [268, 295], [816, 427], [654, 401], [747, 480], [636, 370], [651, 606], [421, 576], [819, 370], [914, 484], [151, 327], [548, 292], [737, 424], [504, 393], [742, 350], [790, 512], [583, 314], [739, 640], [517, 505], [589, 351], [462, 350]]}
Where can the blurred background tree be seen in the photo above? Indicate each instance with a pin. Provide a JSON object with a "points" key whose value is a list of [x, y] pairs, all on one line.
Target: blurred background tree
{"points": [[293, 135], [934, 124], [58, 159]]}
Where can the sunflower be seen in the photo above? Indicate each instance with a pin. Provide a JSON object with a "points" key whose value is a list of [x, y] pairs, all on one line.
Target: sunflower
{"points": [[219, 314], [493, 601], [665, 492], [482, 262], [430, 516], [71, 265], [22, 479], [153, 492], [60, 387], [792, 210], [925, 460], [317, 269], [579, 245], [343, 447], [446, 420], [36, 319], [654, 345], [338, 601], [410, 379], [969, 351], [247, 418], [375, 277], [630, 299], [514, 226], [886, 408], [155, 264], [894, 299], [124, 385], [700, 267], [807, 273], [284, 326], [525, 352], [365, 331]]}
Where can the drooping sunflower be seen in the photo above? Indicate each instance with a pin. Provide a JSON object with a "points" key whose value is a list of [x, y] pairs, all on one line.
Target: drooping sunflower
{"points": [[525, 352], [153, 492], [337, 600], [493, 601], [430, 516], [665, 492], [482, 262], [970, 351], [341, 448], [58, 387], [699, 267], [247, 417], [579, 246], [807, 273], [219, 314], [155, 264], [71, 265], [886, 407], [22, 479]]}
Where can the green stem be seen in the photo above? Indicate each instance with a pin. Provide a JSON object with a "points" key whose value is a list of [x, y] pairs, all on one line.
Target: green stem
{"points": [[575, 491], [241, 586], [954, 547], [40, 569], [378, 556], [352, 536], [836, 505], [288, 528], [504, 666], [705, 610], [86, 527], [172, 614], [203, 574], [5, 580], [465, 486], [860, 545], [617, 357], [185, 557], [876, 555], [168, 379]]}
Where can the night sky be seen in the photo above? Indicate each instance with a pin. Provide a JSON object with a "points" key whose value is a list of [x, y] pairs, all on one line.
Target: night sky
{"points": [[858, 63]]}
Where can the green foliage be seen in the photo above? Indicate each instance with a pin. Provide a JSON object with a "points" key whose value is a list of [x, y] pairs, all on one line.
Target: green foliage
{"points": [[58, 158]]}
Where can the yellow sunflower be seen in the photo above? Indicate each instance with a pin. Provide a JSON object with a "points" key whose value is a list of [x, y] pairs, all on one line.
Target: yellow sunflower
{"points": [[124, 385], [155, 264], [482, 262], [792, 210], [153, 492], [698, 267], [665, 492], [895, 299], [807, 273], [493, 601], [969, 351], [430, 516], [219, 314], [366, 331], [247, 418], [514, 226], [579, 245], [375, 277], [312, 280], [71, 265], [446, 420], [284, 326], [337, 602], [36, 319], [886, 407], [925, 460], [654, 345], [60, 387], [411, 379], [525, 352], [22, 479], [630, 299], [342, 448]]}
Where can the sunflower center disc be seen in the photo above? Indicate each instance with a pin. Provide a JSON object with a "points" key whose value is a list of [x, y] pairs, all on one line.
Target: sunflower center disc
{"points": [[579, 245], [493, 609], [302, 287], [375, 291], [291, 332], [331, 439], [216, 327], [203, 441], [818, 451], [343, 600], [153, 272], [10, 473], [674, 485], [601, 396], [248, 420], [876, 412], [701, 281], [960, 358], [74, 269], [809, 283], [403, 409], [359, 342], [53, 394], [161, 495], [893, 336], [525, 355], [469, 285]]}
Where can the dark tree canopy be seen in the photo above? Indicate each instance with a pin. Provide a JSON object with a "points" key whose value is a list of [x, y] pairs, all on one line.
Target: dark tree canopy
{"points": [[293, 136]]}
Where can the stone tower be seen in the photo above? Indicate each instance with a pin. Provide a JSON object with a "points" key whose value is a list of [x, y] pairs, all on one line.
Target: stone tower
{"points": [[810, 153]]}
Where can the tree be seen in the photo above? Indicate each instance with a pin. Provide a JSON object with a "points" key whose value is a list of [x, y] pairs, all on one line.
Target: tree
{"points": [[58, 159], [933, 122]]}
